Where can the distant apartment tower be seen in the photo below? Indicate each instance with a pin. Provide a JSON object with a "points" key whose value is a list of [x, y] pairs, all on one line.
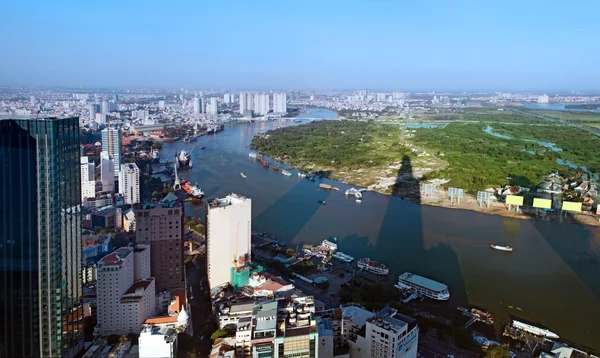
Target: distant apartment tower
{"points": [[105, 107], [280, 102], [107, 172], [111, 144], [198, 105], [261, 103], [88, 179], [125, 290], [92, 110], [543, 99], [32, 101], [228, 228], [129, 183], [228, 98], [40, 229], [246, 102], [161, 227], [214, 107]]}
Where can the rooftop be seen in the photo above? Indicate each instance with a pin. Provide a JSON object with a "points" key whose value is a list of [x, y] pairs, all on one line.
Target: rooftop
{"points": [[423, 281], [265, 315], [231, 199], [358, 315], [137, 290], [116, 257]]}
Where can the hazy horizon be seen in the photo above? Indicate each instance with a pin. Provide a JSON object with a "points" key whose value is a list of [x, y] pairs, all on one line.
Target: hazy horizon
{"points": [[422, 46]]}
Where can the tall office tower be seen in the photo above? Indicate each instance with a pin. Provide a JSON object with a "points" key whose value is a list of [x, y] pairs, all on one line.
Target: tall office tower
{"points": [[214, 107], [181, 97], [88, 179], [125, 290], [40, 236], [280, 102], [228, 226], [105, 107], [107, 172], [32, 101], [246, 103], [161, 227], [92, 109], [261, 103], [129, 183], [111, 144], [116, 98], [197, 105]]}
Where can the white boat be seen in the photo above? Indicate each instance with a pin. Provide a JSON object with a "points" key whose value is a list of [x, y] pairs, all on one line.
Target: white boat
{"points": [[343, 257], [328, 245], [534, 330], [375, 267], [286, 173], [501, 248], [336, 189], [301, 175], [252, 155], [351, 191], [243, 175], [358, 195], [358, 201], [423, 286]]}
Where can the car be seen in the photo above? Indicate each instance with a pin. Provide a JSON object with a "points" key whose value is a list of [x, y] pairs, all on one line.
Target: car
{"points": [[450, 356]]}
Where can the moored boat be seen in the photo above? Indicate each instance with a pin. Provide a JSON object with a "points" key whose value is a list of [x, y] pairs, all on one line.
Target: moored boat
{"points": [[301, 175], [372, 266], [258, 157], [183, 159], [501, 248], [276, 167], [534, 330], [252, 155], [193, 191], [325, 186], [423, 286], [343, 257], [286, 173], [243, 175], [264, 163]]}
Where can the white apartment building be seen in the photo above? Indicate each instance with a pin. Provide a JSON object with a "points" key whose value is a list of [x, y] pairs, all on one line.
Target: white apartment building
{"points": [[125, 291], [261, 103], [246, 103], [197, 105], [279, 102], [88, 180], [214, 107], [228, 223], [129, 183], [111, 144], [158, 342], [228, 98], [388, 334]]}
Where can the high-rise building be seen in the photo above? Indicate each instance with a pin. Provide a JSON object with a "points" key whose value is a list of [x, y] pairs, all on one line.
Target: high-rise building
{"points": [[158, 342], [214, 107], [107, 172], [161, 227], [111, 144], [105, 107], [161, 104], [40, 232], [261, 103], [228, 98], [228, 228], [88, 179], [32, 101], [246, 103], [125, 290], [197, 105], [129, 183], [92, 110], [280, 102]]}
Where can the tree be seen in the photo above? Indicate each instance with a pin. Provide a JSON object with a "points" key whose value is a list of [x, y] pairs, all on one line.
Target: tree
{"points": [[221, 333], [290, 252], [498, 352]]}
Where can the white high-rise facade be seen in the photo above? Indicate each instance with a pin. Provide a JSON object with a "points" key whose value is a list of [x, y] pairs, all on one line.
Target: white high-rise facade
{"points": [[107, 172], [111, 144], [214, 107], [88, 179], [228, 98], [261, 103], [129, 183], [246, 103], [105, 107], [126, 292], [228, 223], [197, 105], [279, 102], [92, 110]]}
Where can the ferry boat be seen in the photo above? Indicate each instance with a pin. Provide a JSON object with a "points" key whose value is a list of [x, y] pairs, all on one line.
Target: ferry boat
{"points": [[501, 248], [423, 286], [264, 163], [183, 159], [534, 330], [343, 257], [286, 173], [325, 186], [375, 267], [252, 155], [192, 190], [243, 175]]}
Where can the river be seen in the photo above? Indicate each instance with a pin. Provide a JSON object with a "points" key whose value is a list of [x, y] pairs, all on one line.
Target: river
{"points": [[552, 277]]}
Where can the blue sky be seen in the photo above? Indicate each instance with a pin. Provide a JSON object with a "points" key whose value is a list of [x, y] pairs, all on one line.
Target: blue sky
{"points": [[409, 45]]}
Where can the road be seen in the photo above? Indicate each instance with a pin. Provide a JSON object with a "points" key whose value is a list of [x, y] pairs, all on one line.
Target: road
{"points": [[431, 347], [199, 311]]}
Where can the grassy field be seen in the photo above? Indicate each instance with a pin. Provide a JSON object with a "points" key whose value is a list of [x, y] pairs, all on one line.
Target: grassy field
{"points": [[369, 153]]}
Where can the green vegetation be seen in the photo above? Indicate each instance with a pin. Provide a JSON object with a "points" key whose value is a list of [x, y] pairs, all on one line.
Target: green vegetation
{"points": [[498, 352], [219, 333], [194, 224], [590, 106]]}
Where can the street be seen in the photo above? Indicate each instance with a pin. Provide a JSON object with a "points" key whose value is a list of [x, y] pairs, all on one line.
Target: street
{"points": [[431, 347]]}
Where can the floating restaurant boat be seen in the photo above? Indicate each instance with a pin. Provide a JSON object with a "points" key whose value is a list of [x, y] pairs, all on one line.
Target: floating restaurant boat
{"points": [[243, 175], [372, 266], [325, 186], [534, 330], [286, 173], [501, 248], [343, 257], [423, 286]]}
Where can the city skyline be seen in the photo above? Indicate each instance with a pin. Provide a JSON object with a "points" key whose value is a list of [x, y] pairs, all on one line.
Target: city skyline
{"points": [[424, 46]]}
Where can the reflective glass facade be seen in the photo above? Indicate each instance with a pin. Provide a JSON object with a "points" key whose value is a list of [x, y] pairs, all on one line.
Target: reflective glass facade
{"points": [[40, 238]]}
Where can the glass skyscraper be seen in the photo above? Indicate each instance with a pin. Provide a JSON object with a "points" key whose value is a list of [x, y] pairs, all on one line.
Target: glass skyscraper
{"points": [[41, 311]]}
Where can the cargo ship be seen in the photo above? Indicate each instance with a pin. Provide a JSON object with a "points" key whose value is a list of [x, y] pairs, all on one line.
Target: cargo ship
{"points": [[184, 160], [325, 186], [423, 286], [371, 266], [193, 191], [501, 248]]}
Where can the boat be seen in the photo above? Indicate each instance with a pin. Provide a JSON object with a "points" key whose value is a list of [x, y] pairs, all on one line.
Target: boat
{"points": [[193, 191], [322, 202], [358, 195], [336, 189], [189, 139], [343, 257], [243, 175], [484, 316], [328, 245], [297, 121], [301, 175], [501, 248], [423, 286], [358, 201], [325, 186], [183, 159], [276, 167], [351, 191], [286, 173], [202, 147], [252, 155], [264, 163], [371, 266], [210, 131], [154, 155], [534, 330], [258, 157]]}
